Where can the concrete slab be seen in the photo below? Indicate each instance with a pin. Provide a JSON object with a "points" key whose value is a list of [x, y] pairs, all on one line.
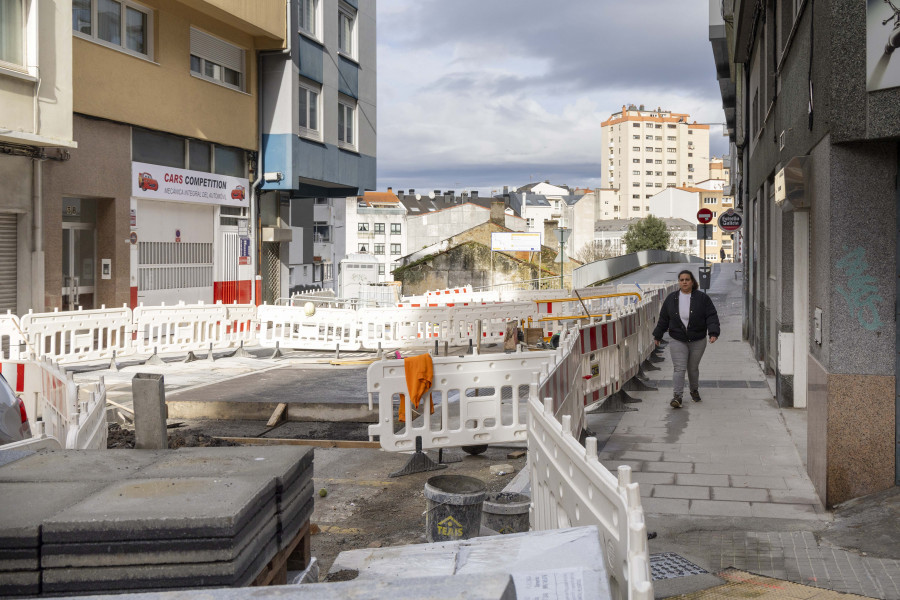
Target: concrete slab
{"points": [[184, 550], [162, 508], [79, 465], [475, 586], [26, 505], [284, 463], [20, 583]]}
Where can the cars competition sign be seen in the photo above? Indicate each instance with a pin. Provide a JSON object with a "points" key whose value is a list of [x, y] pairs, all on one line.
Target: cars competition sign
{"points": [[515, 242], [166, 183]]}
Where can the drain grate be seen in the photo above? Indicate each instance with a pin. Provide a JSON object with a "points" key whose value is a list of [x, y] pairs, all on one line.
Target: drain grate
{"points": [[668, 565]]}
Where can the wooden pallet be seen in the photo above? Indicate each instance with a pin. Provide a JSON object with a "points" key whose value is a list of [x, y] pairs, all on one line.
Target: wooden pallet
{"points": [[294, 557]]}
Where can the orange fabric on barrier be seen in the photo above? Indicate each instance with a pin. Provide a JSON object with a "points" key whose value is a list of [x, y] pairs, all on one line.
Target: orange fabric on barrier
{"points": [[419, 375]]}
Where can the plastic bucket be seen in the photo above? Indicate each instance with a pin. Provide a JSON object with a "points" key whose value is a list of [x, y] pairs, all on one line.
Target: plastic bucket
{"points": [[506, 512], [454, 507]]}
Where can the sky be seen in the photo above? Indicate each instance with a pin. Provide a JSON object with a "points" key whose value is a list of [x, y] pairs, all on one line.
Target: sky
{"points": [[481, 94]]}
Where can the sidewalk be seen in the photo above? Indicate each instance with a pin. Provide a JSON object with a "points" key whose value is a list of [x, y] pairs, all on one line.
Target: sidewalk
{"points": [[722, 481]]}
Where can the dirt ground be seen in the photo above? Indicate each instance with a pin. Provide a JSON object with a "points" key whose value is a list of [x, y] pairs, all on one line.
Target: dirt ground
{"points": [[362, 506]]}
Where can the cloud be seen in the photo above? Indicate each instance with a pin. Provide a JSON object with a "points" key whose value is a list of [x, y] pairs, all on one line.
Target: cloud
{"points": [[502, 88]]}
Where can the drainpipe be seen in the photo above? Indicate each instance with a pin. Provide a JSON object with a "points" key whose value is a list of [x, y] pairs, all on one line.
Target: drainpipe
{"points": [[37, 238], [254, 188]]}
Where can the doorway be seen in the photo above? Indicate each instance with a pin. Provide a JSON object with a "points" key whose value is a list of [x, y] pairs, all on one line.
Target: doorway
{"points": [[79, 253]]}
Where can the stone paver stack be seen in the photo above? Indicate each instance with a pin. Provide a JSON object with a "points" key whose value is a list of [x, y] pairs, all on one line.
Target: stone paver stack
{"points": [[129, 520]]}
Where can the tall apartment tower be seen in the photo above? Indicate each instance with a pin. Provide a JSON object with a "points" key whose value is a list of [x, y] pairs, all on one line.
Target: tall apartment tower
{"points": [[646, 151]]}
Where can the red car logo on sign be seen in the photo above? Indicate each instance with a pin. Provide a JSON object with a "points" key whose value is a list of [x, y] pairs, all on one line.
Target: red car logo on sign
{"points": [[237, 193], [146, 182]]}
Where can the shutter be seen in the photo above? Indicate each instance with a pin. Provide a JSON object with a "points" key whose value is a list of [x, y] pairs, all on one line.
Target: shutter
{"points": [[218, 51], [8, 261]]}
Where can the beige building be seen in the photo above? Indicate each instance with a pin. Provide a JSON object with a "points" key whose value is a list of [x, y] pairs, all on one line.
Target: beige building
{"points": [[154, 203], [35, 132], [646, 151]]}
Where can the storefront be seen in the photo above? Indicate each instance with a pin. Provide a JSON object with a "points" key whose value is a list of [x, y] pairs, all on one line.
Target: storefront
{"points": [[190, 236]]}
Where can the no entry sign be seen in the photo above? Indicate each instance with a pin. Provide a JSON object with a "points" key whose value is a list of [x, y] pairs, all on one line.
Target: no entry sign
{"points": [[704, 215], [730, 220]]}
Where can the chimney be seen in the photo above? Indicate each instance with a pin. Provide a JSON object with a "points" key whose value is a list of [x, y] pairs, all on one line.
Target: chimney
{"points": [[400, 192], [451, 193], [437, 192], [498, 212], [506, 190], [411, 191], [549, 236], [474, 193], [390, 190]]}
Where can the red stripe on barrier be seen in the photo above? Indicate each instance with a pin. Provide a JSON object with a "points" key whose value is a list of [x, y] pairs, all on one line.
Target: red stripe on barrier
{"points": [[593, 334], [549, 307], [605, 335], [20, 377]]}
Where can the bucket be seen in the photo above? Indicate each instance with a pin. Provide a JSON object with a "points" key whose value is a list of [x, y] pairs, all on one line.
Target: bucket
{"points": [[506, 512], [454, 507]]}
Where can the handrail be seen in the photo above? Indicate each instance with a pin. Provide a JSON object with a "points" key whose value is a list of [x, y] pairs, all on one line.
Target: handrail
{"points": [[590, 297]]}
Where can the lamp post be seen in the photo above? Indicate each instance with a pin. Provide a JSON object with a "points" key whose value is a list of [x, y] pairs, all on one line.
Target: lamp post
{"points": [[562, 235]]}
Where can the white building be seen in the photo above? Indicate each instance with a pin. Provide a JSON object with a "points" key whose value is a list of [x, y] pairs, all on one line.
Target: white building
{"points": [[315, 252], [646, 151], [577, 212], [675, 203], [609, 235]]}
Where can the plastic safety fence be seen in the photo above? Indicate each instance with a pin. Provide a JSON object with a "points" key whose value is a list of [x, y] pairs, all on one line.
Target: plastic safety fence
{"points": [[326, 329], [570, 488], [79, 335], [12, 339], [477, 399], [178, 328], [73, 415], [563, 383]]}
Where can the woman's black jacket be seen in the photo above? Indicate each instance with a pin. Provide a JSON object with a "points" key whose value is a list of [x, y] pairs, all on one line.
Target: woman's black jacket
{"points": [[703, 318]]}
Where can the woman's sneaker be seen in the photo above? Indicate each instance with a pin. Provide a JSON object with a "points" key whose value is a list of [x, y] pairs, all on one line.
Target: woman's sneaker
{"points": [[695, 395], [676, 401]]}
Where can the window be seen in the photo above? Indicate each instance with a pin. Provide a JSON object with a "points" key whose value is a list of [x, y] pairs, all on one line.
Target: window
{"points": [[309, 17], [395, 249], [635, 160], [649, 184], [635, 124], [635, 172], [347, 30], [649, 172], [636, 136], [635, 208], [690, 153], [379, 249], [690, 176], [322, 202], [658, 173], [199, 156], [656, 161], [216, 60], [658, 138], [670, 162], [321, 232], [649, 161], [636, 184], [690, 132], [649, 137], [309, 110], [229, 161], [659, 149], [381, 269], [659, 185], [120, 24], [12, 33], [395, 228], [671, 126], [670, 173], [615, 209], [363, 227], [672, 150], [649, 148], [529, 223], [363, 248], [635, 196], [636, 148], [346, 125], [379, 228], [670, 138], [329, 271], [712, 243], [670, 185]]}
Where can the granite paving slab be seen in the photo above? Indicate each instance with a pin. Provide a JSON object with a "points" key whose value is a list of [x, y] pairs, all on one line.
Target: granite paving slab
{"points": [[161, 508], [297, 487], [290, 527], [26, 505], [139, 552]]}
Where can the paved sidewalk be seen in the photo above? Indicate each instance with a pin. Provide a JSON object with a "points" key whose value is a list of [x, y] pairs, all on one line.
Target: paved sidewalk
{"points": [[723, 482]]}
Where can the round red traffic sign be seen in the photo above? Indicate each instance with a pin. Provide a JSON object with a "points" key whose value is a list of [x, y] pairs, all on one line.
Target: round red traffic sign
{"points": [[704, 215]]}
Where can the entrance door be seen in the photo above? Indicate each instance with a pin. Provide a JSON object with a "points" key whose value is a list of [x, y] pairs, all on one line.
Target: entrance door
{"points": [[79, 254]]}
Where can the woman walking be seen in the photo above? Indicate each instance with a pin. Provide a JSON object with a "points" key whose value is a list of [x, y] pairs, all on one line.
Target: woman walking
{"points": [[687, 314]]}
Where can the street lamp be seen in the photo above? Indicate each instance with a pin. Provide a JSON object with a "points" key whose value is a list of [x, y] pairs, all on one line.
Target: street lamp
{"points": [[562, 235]]}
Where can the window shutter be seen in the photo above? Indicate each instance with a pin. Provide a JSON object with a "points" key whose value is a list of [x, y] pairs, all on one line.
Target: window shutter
{"points": [[218, 51]]}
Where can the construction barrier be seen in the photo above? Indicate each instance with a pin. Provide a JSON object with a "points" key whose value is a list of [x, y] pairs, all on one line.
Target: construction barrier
{"points": [[178, 328], [12, 339], [79, 335], [291, 327]]}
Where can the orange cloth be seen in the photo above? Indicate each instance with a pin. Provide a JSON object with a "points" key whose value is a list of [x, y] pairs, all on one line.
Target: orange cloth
{"points": [[419, 375]]}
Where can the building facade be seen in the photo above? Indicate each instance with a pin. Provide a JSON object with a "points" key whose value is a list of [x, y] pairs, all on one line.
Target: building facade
{"points": [[811, 94], [35, 131], [645, 151], [319, 124]]}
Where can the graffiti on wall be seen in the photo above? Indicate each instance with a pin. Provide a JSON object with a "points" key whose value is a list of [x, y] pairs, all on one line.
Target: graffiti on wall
{"points": [[860, 292]]}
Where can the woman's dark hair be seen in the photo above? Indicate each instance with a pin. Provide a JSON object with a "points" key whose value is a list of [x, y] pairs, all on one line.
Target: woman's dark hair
{"points": [[694, 283]]}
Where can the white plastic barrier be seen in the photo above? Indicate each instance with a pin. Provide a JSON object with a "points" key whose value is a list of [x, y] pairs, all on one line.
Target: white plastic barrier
{"points": [[570, 488], [240, 324], [178, 328], [12, 338], [87, 427], [478, 399], [79, 335], [290, 327], [563, 383]]}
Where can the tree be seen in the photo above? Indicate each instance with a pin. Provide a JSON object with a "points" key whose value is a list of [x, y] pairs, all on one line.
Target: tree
{"points": [[593, 251], [649, 233]]}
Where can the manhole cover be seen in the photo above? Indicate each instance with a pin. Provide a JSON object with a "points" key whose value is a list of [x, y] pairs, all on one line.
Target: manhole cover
{"points": [[668, 565]]}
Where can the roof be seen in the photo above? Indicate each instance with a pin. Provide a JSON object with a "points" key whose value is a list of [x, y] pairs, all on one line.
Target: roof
{"points": [[541, 200], [623, 224], [380, 198]]}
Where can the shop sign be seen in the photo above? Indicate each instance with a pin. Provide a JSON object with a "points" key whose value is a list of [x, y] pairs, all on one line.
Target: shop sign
{"points": [[516, 242], [730, 220], [166, 183], [244, 258]]}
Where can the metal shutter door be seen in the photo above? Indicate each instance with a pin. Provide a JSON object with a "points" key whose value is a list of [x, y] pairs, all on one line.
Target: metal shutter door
{"points": [[8, 260]]}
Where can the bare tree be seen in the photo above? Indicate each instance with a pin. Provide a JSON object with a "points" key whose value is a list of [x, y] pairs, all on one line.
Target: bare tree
{"points": [[593, 251]]}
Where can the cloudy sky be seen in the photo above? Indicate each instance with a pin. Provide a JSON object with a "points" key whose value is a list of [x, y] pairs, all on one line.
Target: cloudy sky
{"points": [[478, 94]]}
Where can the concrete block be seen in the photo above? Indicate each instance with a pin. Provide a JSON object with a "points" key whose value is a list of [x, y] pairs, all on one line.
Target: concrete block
{"points": [[740, 494], [149, 393], [701, 479], [20, 583], [681, 491], [720, 509], [163, 508]]}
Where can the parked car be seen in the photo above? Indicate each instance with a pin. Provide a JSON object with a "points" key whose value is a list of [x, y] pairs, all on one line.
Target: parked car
{"points": [[146, 182], [14, 425], [237, 193]]}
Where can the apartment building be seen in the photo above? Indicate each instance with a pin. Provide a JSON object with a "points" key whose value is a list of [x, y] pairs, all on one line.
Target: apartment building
{"points": [[318, 135], [646, 151], [154, 203], [811, 97], [35, 131], [610, 233], [376, 225]]}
